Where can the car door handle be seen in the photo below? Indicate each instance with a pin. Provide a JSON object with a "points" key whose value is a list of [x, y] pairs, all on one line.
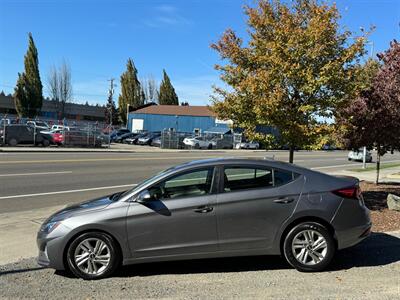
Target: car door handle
{"points": [[203, 209], [284, 200]]}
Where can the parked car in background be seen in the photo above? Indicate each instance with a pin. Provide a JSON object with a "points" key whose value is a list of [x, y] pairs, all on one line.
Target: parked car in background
{"points": [[133, 140], [117, 133], [223, 143], [198, 142], [212, 208], [147, 139], [82, 138], [58, 137], [357, 155], [4, 122], [248, 145], [39, 124], [16, 134], [59, 127], [123, 137], [156, 142]]}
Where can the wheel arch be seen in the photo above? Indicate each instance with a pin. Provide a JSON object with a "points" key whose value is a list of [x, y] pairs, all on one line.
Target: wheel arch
{"points": [[305, 219], [89, 230]]}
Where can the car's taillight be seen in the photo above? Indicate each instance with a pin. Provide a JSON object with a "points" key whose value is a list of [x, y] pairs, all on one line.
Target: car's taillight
{"points": [[350, 192]]}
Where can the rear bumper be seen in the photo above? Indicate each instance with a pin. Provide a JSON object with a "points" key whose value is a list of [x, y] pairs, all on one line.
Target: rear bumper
{"points": [[352, 223]]}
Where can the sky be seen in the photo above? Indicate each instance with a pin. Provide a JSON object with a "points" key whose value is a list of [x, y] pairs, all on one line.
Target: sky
{"points": [[96, 37]]}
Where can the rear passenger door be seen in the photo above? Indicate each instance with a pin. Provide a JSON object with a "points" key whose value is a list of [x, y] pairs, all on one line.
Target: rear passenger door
{"points": [[253, 203]]}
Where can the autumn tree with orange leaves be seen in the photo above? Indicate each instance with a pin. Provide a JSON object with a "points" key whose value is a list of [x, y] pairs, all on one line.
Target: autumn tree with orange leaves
{"points": [[295, 68]]}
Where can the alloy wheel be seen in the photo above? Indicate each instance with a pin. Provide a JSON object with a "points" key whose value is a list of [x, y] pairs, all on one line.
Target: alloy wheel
{"points": [[309, 247], [92, 256]]}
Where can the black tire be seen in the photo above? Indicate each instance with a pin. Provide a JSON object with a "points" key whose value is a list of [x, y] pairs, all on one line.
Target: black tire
{"points": [[197, 146], [46, 143], [308, 267], [209, 146], [115, 256], [13, 142], [349, 159]]}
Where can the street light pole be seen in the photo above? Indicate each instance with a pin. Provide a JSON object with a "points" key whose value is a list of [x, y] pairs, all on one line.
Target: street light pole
{"points": [[111, 93]]}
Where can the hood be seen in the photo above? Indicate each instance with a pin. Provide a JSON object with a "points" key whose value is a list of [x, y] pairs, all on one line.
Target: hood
{"points": [[84, 207]]}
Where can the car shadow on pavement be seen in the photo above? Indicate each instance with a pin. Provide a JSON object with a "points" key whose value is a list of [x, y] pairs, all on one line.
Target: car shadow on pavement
{"points": [[378, 250], [24, 270]]}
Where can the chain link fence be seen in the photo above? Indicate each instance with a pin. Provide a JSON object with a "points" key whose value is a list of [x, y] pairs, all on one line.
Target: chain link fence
{"points": [[39, 133], [176, 140]]}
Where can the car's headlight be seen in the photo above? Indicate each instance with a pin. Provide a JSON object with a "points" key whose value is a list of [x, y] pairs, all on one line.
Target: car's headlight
{"points": [[49, 227]]}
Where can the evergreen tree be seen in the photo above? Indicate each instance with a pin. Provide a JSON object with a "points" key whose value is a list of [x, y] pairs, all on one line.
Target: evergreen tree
{"points": [[111, 111], [167, 94], [131, 91], [28, 91]]}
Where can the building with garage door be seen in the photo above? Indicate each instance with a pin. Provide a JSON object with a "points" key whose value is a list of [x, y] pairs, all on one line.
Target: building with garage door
{"points": [[174, 117]]}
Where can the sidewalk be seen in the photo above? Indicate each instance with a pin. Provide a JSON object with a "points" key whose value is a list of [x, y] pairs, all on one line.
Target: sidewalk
{"points": [[18, 233], [385, 175]]}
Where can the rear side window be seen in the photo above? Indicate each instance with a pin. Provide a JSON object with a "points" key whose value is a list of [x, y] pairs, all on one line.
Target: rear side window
{"points": [[244, 178], [282, 177]]}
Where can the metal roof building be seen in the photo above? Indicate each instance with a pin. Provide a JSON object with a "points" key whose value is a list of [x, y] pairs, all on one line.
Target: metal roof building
{"points": [[178, 118]]}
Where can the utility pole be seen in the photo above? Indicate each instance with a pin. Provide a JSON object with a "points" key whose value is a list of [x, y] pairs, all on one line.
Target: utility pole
{"points": [[110, 96]]}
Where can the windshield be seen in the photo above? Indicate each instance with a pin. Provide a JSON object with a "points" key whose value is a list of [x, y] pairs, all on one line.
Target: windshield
{"points": [[145, 182]]}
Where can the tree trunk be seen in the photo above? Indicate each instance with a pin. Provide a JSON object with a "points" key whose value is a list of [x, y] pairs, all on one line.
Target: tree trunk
{"points": [[291, 153], [378, 163]]}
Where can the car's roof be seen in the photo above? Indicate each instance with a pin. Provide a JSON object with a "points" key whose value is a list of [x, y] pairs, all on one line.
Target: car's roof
{"points": [[239, 161]]}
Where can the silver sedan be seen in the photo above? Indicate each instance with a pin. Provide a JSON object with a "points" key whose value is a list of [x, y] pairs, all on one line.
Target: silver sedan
{"points": [[210, 208]]}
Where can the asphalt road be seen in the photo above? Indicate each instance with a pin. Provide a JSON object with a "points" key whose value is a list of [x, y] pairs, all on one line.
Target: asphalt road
{"points": [[39, 180]]}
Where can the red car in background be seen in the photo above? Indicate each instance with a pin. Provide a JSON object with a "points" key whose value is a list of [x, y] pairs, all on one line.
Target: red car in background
{"points": [[58, 138]]}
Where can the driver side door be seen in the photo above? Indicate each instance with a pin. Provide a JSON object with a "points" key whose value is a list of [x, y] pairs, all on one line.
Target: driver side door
{"points": [[179, 219]]}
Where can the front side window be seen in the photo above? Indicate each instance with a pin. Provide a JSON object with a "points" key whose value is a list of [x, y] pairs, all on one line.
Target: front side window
{"points": [[188, 184], [243, 178]]}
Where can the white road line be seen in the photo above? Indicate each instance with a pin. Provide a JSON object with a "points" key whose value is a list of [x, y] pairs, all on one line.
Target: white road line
{"points": [[69, 191], [31, 174]]}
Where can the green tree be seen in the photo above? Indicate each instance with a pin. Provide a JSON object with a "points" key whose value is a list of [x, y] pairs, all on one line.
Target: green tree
{"points": [[131, 91], [372, 118], [167, 95], [296, 69], [28, 95]]}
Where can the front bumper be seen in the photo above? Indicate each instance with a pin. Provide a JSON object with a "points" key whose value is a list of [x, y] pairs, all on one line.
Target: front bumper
{"points": [[51, 250]]}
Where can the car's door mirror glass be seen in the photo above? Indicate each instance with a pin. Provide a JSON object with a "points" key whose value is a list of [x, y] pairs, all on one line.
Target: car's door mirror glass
{"points": [[143, 196]]}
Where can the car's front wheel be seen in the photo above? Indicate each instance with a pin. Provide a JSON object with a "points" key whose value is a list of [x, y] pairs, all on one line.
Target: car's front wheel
{"points": [[93, 255], [309, 247]]}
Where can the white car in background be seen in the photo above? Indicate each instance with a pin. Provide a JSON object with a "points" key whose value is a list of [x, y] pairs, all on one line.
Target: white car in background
{"points": [[357, 155], [59, 127], [38, 124], [248, 145], [199, 142]]}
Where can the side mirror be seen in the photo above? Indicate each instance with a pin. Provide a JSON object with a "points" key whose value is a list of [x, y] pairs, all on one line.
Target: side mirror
{"points": [[143, 197]]}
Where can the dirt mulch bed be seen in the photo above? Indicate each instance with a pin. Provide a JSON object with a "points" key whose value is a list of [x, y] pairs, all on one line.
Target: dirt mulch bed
{"points": [[375, 197]]}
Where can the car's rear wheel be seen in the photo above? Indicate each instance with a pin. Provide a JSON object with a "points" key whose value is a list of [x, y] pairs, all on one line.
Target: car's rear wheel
{"points": [[13, 142], [46, 143], [209, 146], [93, 255], [309, 247]]}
